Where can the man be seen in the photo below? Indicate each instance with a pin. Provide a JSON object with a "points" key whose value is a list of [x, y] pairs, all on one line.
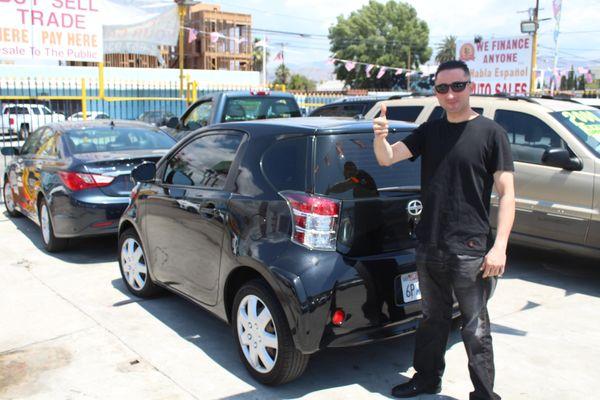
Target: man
{"points": [[463, 156]]}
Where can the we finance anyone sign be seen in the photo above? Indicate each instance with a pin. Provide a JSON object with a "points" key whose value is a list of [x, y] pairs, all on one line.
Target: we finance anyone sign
{"points": [[51, 29], [498, 65]]}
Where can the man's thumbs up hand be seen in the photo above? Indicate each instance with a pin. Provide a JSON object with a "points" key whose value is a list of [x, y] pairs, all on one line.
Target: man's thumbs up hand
{"points": [[380, 124]]}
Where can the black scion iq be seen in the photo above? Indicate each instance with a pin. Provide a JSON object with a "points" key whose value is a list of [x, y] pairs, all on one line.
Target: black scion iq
{"points": [[288, 229]]}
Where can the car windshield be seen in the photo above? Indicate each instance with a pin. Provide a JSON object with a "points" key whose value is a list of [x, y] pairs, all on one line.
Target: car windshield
{"points": [[584, 124], [259, 107], [100, 139]]}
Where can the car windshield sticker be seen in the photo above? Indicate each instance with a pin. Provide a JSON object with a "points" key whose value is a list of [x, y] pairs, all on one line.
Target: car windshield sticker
{"points": [[585, 120]]}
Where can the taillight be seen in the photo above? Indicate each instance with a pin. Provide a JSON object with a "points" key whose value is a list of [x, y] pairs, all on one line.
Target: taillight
{"points": [[315, 220], [11, 121], [80, 181]]}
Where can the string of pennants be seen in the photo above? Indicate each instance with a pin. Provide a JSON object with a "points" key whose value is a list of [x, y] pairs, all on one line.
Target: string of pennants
{"points": [[214, 36], [351, 65]]}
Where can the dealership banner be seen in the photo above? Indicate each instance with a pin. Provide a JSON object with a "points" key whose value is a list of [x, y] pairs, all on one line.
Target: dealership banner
{"points": [[498, 65], [51, 29]]}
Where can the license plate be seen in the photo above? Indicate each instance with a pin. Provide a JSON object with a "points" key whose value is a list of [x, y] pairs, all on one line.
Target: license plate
{"points": [[410, 287]]}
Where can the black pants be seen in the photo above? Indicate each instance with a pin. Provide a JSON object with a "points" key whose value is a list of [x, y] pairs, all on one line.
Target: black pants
{"points": [[440, 273]]}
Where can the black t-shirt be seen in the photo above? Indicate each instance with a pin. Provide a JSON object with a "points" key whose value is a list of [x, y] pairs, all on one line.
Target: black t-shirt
{"points": [[457, 167]]}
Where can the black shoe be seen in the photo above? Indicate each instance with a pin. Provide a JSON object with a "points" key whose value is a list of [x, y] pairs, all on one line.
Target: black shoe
{"points": [[415, 387]]}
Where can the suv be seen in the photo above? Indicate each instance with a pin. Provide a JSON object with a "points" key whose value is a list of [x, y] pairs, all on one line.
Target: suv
{"points": [[288, 229], [556, 149]]}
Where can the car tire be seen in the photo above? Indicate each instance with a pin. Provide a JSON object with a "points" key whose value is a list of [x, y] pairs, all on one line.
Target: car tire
{"points": [[133, 266], [267, 351], [52, 244], [9, 200]]}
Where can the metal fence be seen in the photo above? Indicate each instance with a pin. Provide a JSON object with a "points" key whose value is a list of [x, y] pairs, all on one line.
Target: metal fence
{"points": [[27, 104]]}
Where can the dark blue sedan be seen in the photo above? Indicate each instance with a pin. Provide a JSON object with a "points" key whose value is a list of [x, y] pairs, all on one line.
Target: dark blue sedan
{"points": [[73, 178]]}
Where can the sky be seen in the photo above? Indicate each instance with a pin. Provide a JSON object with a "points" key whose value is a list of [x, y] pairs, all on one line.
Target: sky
{"points": [[579, 41]]}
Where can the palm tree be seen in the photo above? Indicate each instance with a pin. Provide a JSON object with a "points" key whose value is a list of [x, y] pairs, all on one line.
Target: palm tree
{"points": [[257, 56], [446, 50]]}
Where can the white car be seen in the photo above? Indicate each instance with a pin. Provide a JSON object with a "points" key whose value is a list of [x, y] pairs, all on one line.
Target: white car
{"points": [[20, 119], [89, 116]]}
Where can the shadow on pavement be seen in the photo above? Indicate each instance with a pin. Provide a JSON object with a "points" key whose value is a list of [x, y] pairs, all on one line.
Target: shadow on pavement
{"points": [[90, 250], [573, 274], [375, 367]]}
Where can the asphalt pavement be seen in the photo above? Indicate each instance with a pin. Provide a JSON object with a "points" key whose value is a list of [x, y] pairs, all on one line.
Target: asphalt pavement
{"points": [[70, 330]]}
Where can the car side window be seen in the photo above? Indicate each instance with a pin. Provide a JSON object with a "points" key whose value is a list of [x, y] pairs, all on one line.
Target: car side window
{"points": [[48, 144], [199, 116], [529, 136], [326, 111], [33, 142], [204, 162], [404, 113]]}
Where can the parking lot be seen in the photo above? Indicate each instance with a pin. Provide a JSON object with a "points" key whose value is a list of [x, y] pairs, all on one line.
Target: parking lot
{"points": [[70, 330]]}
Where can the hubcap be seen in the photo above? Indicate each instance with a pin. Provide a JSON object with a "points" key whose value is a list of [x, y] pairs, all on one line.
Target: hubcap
{"points": [[45, 222], [134, 264], [9, 201], [257, 334]]}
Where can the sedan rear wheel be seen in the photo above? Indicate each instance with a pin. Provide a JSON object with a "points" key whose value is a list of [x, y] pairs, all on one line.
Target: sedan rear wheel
{"points": [[9, 200], [51, 243], [132, 262], [263, 335]]}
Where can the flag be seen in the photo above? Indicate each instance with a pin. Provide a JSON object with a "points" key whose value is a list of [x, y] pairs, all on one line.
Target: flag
{"points": [[193, 35], [581, 70], [214, 37], [589, 78], [368, 70], [381, 72], [398, 71], [349, 65], [556, 8], [330, 61], [278, 56], [240, 40]]}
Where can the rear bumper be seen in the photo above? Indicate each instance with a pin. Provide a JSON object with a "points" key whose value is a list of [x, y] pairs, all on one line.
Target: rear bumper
{"points": [[86, 214], [362, 287]]}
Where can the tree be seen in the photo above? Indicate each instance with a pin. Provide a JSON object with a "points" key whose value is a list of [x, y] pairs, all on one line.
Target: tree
{"points": [[381, 34], [301, 82], [282, 75], [581, 82], [446, 50], [257, 56]]}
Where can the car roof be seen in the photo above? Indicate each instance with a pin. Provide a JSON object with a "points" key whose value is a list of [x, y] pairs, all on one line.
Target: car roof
{"points": [[308, 125], [95, 123], [476, 101], [247, 93]]}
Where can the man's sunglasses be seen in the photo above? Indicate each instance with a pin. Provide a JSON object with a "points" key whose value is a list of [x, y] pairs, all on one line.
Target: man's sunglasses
{"points": [[443, 88]]}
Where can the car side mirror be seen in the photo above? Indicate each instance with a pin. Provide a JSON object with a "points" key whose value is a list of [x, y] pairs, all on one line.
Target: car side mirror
{"points": [[559, 157], [10, 151], [145, 172], [173, 122]]}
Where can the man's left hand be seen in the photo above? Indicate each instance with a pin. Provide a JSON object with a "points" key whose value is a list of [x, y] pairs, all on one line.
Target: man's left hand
{"points": [[494, 262]]}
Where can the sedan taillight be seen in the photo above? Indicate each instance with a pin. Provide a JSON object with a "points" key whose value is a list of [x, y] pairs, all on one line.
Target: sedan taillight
{"points": [[80, 181], [315, 220], [11, 121]]}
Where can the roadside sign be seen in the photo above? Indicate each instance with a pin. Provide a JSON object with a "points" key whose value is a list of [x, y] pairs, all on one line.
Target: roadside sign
{"points": [[498, 65]]}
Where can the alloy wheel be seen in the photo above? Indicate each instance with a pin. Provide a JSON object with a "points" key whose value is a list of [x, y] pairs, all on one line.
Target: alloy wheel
{"points": [[134, 264], [9, 200], [257, 334]]}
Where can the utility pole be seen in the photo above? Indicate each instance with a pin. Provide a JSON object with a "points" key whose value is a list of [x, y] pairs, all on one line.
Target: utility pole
{"points": [[264, 61], [408, 71], [534, 47], [181, 7]]}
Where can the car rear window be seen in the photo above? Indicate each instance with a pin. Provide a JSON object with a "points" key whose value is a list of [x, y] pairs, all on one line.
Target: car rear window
{"points": [[259, 107], [285, 164], [346, 168], [95, 140]]}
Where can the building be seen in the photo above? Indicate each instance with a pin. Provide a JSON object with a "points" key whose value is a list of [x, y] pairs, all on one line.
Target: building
{"points": [[231, 51]]}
